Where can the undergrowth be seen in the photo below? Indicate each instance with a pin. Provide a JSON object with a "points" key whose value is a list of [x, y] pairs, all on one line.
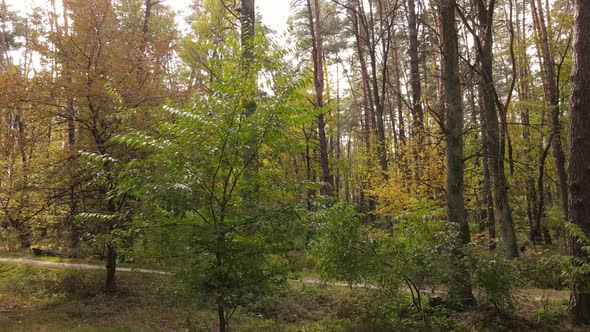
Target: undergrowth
{"points": [[38, 298]]}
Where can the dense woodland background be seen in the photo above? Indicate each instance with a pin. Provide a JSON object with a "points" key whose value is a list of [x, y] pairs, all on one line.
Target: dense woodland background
{"points": [[404, 144]]}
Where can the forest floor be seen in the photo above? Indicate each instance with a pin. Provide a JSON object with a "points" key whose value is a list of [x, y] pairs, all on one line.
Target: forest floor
{"points": [[50, 294]]}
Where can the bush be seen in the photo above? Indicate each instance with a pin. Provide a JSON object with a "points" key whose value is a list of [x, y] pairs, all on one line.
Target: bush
{"points": [[542, 269], [264, 304], [440, 318], [495, 276]]}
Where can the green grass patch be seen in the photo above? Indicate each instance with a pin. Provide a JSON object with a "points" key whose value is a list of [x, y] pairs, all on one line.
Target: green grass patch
{"points": [[36, 298]]}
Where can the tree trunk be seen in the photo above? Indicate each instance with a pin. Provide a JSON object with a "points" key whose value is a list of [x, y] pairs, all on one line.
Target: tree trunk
{"points": [[222, 322], [247, 21], [489, 201], [249, 73], [367, 99], [492, 132], [399, 100], [417, 111], [318, 80], [71, 219], [579, 150], [111, 267], [454, 148], [23, 231], [552, 94], [379, 96]]}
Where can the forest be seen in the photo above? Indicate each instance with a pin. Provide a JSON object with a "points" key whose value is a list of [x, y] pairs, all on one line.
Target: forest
{"points": [[383, 165]]}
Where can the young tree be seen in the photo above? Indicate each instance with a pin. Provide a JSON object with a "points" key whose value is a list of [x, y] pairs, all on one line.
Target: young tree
{"points": [[234, 226]]}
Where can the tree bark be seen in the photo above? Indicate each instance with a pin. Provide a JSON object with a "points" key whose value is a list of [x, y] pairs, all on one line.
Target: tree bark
{"points": [[399, 99], [318, 80], [111, 267], [417, 111], [250, 76], [489, 200], [492, 138], [247, 21], [454, 148], [221, 317], [379, 94], [579, 149]]}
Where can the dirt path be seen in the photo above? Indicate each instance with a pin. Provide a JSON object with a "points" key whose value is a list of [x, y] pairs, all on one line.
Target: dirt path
{"points": [[530, 294], [64, 265], [336, 283], [83, 266]]}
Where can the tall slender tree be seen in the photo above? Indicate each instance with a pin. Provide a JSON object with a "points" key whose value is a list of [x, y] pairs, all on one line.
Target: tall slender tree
{"points": [[493, 141], [416, 110], [454, 141], [541, 20], [314, 17]]}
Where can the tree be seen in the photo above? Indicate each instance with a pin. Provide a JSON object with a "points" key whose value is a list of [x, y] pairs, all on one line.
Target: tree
{"points": [[579, 152], [101, 80], [318, 82], [416, 110], [454, 149], [493, 142], [551, 71], [233, 228], [25, 144]]}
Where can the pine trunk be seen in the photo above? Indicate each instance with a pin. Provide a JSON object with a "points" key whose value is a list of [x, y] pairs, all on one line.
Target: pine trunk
{"points": [[492, 133], [454, 149], [579, 149], [318, 80]]}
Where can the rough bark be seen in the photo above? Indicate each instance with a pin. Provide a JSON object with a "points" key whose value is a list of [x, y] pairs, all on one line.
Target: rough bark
{"points": [[247, 21], [249, 91], [318, 80], [367, 102], [489, 200], [417, 111], [492, 137], [379, 89], [454, 146], [579, 149]]}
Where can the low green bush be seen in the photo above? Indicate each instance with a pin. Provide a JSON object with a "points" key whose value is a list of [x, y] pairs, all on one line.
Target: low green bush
{"points": [[494, 277], [542, 269]]}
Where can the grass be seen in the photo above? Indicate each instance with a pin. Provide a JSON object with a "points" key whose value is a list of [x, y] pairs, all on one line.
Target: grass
{"points": [[22, 253], [46, 299], [35, 298]]}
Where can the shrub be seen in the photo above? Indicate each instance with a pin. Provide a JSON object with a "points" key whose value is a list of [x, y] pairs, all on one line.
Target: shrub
{"points": [[542, 269], [495, 276]]}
